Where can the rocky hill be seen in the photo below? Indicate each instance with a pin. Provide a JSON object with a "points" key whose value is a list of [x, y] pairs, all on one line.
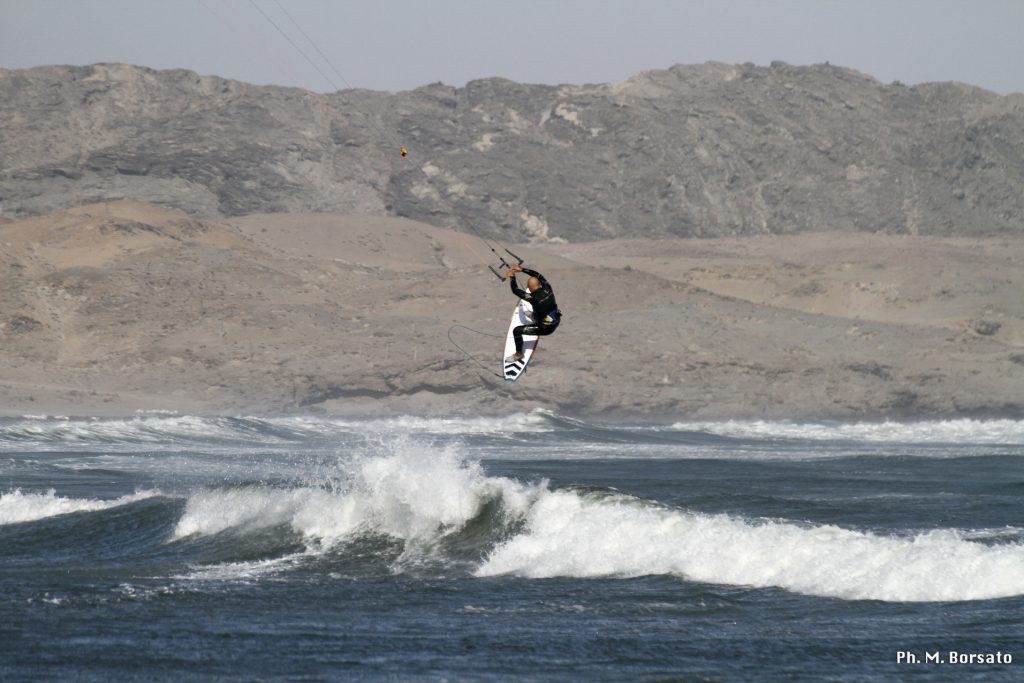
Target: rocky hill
{"points": [[707, 150]]}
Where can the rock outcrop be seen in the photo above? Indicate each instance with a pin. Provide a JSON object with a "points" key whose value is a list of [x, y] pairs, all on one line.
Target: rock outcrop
{"points": [[706, 150]]}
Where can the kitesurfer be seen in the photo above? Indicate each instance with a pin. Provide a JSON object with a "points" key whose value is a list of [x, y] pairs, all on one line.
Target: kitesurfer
{"points": [[546, 315]]}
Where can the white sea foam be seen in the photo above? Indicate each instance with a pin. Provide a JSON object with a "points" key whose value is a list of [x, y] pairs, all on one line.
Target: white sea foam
{"points": [[41, 431], [573, 535], [245, 571], [516, 422], [17, 507], [419, 495], [131, 430], [945, 431], [414, 495], [411, 494]]}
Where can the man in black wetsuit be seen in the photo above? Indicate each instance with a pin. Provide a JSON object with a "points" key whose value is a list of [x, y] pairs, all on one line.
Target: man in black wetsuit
{"points": [[546, 315]]}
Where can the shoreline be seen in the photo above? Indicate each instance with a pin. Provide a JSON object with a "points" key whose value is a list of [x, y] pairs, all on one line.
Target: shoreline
{"points": [[58, 412]]}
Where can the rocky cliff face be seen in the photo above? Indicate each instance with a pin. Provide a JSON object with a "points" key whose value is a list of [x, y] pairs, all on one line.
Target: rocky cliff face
{"points": [[708, 150]]}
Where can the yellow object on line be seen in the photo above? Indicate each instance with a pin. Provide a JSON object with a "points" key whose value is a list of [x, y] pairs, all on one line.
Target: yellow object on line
{"points": [[404, 152]]}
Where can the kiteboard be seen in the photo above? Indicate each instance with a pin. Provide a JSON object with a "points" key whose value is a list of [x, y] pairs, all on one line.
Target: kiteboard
{"points": [[522, 315]]}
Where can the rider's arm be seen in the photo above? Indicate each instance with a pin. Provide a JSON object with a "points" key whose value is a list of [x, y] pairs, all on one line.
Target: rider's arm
{"points": [[515, 288]]}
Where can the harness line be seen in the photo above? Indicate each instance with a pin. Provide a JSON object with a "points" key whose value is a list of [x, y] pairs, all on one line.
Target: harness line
{"points": [[467, 353]]}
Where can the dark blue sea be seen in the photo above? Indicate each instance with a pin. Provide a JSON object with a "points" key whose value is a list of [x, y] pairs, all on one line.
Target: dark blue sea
{"points": [[533, 547]]}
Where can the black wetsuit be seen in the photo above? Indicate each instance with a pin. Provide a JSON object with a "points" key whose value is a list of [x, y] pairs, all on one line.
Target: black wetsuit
{"points": [[546, 315]]}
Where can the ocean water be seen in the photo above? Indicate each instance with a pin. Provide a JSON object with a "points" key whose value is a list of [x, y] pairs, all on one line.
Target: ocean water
{"points": [[532, 547]]}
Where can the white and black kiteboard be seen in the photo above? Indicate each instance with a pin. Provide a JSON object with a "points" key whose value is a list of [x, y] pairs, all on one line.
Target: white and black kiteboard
{"points": [[523, 315]]}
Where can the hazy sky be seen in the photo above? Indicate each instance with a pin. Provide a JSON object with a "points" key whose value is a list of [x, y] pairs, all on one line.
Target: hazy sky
{"points": [[401, 44]]}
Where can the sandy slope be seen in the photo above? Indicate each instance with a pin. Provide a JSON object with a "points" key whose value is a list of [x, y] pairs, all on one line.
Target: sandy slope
{"points": [[111, 308], [939, 282]]}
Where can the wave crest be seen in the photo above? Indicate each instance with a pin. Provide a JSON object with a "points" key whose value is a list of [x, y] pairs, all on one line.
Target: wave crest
{"points": [[17, 507], [569, 534], [423, 498], [993, 432], [413, 494]]}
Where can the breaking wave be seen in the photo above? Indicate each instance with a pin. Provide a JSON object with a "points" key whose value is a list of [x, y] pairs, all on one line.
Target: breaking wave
{"points": [[418, 500], [173, 432], [569, 534], [409, 505], [161, 430], [1000, 432], [17, 507], [409, 496]]}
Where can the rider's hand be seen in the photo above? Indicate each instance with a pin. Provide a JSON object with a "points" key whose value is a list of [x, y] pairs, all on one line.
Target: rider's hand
{"points": [[509, 274], [517, 268]]}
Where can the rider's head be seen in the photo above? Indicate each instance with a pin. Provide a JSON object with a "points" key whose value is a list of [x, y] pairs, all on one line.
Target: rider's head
{"points": [[533, 284]]}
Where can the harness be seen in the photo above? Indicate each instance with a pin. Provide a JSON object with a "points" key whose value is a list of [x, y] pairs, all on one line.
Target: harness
{"points": [[552, 318]]}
